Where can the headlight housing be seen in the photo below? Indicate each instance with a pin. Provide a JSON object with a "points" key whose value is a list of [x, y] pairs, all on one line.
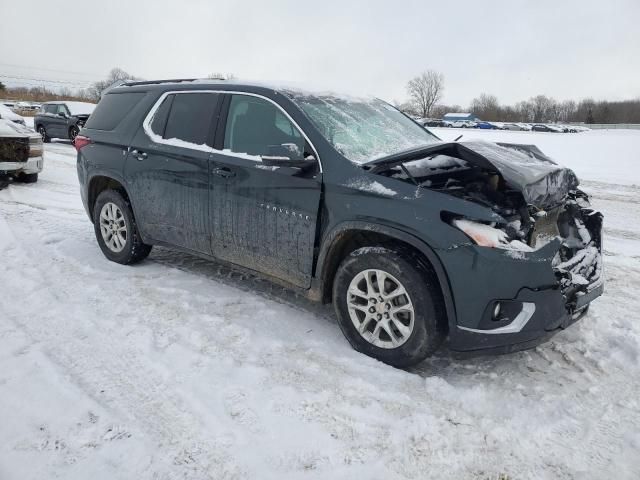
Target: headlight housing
{"points": [[488, 235]]}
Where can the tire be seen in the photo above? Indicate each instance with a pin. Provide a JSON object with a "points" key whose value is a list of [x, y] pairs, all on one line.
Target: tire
{"points": [[423, 326], [73, 133], [43, 132], [28, 177], [112, 211]]}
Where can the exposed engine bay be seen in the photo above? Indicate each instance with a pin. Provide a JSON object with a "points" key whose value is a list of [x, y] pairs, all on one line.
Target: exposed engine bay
{"points": [[539, 201]]}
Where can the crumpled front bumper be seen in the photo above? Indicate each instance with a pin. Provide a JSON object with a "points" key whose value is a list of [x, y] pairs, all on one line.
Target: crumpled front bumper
{"points": [[480, 277]]}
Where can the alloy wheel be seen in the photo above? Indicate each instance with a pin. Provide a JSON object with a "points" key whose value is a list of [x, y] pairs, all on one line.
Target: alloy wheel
{"points": [[380, 308], [113, 227]]}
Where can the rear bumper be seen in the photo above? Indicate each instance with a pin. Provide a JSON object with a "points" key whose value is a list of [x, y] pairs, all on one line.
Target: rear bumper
{"points": [[32, 165]]}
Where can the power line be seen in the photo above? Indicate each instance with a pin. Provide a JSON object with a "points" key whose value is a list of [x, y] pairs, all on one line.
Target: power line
{"points": [[47, 69], [41, 80]]}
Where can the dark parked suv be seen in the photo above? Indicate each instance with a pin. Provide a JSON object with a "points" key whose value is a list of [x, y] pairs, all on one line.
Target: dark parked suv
{"points": [[62, 119], [351, 202]]}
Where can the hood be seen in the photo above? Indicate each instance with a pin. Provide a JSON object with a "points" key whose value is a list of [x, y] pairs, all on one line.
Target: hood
{"points": [[525, 168]]}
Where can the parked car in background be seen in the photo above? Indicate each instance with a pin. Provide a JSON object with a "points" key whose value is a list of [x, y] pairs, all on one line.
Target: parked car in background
{"points": [[62, 119], [485, 125], [346, 200], [7, 114], [539, 127], [463, 124], [516, 126], [20, 152], [433, 122]]}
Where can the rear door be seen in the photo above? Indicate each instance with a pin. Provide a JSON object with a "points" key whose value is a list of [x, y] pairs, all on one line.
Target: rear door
{"points": [[168, 169], [263, 217]]}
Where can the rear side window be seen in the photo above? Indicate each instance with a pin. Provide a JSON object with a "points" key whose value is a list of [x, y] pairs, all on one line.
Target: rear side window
{"points": [[112, 109], [190, 117], [51, 108]]}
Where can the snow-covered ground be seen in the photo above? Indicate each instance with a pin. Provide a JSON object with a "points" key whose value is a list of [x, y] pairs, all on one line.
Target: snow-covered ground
{"points": [[182, 369]]}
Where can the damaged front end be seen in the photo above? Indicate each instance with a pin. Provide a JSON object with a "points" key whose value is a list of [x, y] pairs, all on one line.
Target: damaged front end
{"points": [[539, 214]]}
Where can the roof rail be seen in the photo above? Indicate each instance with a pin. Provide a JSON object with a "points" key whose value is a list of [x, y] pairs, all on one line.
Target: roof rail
{"points": [[156, 82]]}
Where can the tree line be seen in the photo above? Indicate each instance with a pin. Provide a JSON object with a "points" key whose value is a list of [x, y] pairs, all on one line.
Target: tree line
{"points": [[425, 92]]}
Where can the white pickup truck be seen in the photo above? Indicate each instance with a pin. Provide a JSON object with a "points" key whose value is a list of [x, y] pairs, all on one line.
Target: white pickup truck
{"points": [[21, 152]]}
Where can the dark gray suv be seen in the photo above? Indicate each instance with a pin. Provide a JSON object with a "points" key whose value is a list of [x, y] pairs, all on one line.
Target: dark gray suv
{"points": [[349, 201], [61, 119]]}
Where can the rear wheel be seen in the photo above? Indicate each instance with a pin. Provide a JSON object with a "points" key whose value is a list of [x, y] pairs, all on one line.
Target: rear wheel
{"points": [[116, 229], [389, 305], [43, 133]]}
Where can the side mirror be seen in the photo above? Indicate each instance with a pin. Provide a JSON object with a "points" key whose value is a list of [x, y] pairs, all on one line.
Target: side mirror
{"points": [[62, 114], [282, 161], [287, 155]]}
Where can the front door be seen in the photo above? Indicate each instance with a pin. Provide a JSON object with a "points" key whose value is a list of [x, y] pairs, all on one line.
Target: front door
{"points": [[263, 217], [167, 169]]}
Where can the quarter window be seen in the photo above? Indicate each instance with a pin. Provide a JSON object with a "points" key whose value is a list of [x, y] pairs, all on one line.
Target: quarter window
{"points": [[257, 127]]}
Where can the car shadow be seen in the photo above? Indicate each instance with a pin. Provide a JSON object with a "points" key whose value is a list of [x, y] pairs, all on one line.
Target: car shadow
{"points": [[443, 363]]}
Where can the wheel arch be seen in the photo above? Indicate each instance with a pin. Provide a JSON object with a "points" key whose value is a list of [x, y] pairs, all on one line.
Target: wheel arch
{"points": [[98, 184], [348, 236]]}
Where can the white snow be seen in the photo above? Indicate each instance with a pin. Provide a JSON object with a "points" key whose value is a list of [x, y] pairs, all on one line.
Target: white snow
{"points": [[371, 186], [610, 156], [80, 108], [181, 368]]}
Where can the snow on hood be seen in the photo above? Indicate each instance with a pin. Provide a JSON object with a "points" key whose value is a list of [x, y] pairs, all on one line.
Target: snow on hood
{"points": [[525, 168], [80, 108], [542, 181], [12, 129], [8, 114]]}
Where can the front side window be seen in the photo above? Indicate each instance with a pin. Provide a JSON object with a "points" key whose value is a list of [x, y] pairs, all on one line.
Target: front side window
{"points": [[188, 117], [362, 129], [257, 127], [61, 108]]}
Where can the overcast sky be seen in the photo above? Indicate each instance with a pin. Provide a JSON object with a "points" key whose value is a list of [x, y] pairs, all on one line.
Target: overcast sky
{"points": [[512, 48]]}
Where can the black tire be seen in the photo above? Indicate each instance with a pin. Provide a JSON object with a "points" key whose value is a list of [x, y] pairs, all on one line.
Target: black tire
{"points": [[28, 177], [429, 328], [135, 250], [73, 133], [43, 132]]}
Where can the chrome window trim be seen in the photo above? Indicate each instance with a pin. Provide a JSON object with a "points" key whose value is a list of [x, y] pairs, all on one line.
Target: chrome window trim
{"points": [[146, 124], [518, 323]]}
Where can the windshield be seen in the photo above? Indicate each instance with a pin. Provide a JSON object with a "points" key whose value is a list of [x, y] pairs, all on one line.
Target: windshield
{"points": [[362, 129]]}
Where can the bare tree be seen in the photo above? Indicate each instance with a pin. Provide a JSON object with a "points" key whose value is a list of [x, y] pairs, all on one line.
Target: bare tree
{"points": [[94, 92], [486, 107], [425, 91]]}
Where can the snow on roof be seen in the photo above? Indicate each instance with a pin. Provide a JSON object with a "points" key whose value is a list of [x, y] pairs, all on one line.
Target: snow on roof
{"points": [[76, 108], [464, 114]]}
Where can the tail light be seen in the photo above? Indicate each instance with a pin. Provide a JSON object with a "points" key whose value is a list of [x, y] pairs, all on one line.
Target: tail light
{"points": [[81, 141]]}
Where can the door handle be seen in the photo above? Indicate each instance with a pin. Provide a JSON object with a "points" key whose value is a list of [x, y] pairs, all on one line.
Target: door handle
{"points": [[223, 172], [139, 154]]}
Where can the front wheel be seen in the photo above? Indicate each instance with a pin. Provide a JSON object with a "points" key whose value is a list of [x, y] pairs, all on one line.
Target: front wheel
{"points": [[28, 177], [389, 305], [116, 229], [73, 133]]}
